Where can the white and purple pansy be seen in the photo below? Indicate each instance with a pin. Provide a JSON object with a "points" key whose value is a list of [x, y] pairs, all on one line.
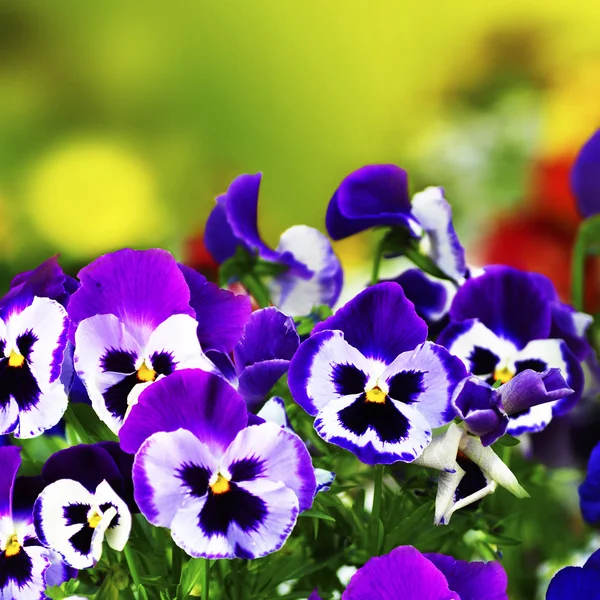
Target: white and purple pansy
{"points": [[23, 563], [261, 356], [223, 488], [311, 273], [407, 574], [83, 503], [376, 387], [132, 324], [501, 325], [469, 471], [378, 195], [33, 337]]}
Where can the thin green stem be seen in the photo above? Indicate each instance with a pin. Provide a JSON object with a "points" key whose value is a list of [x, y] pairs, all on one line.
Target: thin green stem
{"points": [[132, 566], [206, 582], [578, 269], [376, 511], [176, 564], [257, 289], [377, 262]]}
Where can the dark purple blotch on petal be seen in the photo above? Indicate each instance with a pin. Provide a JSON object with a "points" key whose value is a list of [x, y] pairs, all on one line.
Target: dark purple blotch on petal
{"points": [[585, 177]]}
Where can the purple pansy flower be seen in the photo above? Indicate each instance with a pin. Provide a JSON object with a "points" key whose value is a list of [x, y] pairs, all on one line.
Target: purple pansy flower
{"points": [[408, 574], [83, 503], [33, 337], [486, 411], [469, 471], [312, 273], [376, 387], [501, 325], [132, 324], [22, 564], [585, 177], [577, 582], [262, 355], [378, 195], [589, 490], [224, 489]]}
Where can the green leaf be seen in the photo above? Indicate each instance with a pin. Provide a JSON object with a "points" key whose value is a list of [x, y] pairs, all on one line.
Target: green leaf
{"points": [[191, 575], [315, 514], [508, 440]]}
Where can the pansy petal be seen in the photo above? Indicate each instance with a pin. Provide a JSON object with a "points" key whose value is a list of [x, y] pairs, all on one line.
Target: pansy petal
{"points": [[293, 292], [47, 413], [256, 381], [271, 452], [176, 339], [221, 315], [585, 177], [268, 335], [326, 367], [379, 321], [324, 480], [574, 582], [506, 301], [273, 411], [170, 469], [403, 573], [61, 521], [260, 523], [378, 433], [190, 399], [429, 295], [589, 490], [219, 238], [472, 580], [425, 378], [10, 459], [434, 214], [89, 464], [370, 196], [140, 287], [117, 529], [102, 345], [31, 581], [9, 417], [441, 453]]}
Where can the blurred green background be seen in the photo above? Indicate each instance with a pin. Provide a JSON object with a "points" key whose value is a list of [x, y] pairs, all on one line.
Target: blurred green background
{"points": [[121, 121]]}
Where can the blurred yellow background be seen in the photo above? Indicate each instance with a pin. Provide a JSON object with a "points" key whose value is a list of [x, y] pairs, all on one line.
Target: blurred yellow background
{"points": [[121, 121]]}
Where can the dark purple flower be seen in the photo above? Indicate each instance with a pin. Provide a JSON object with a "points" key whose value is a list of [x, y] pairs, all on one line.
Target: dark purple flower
{"points": [[500, 325], [375, 385], [311, 273], [585, 177], [577, 582], [224, 489], [407, 574], [589, 490]]}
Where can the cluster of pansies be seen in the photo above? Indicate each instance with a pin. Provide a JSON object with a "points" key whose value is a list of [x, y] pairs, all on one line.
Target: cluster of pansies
{"points": [[191, 386]]}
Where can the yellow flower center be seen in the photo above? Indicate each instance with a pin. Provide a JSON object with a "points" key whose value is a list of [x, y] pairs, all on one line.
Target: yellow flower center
{"points": [[94, 519], [221, 485], [504, 374], [16, 359], [146, 373], [12, 546], [376, 395]]}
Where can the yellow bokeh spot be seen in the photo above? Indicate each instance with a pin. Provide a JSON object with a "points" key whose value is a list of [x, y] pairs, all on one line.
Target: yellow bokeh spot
{"points": [[12, 547], [16, 359], [94, 520], [92, 196], [221, 485], [376, 395], [146, 373], [503, 375]]}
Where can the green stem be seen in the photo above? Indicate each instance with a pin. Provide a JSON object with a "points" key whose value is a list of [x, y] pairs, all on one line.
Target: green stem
{"points": [[206, 583], [257, 289], [578, 269], [176, 563], [132, 566], [377, 262], [376, 511]]}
